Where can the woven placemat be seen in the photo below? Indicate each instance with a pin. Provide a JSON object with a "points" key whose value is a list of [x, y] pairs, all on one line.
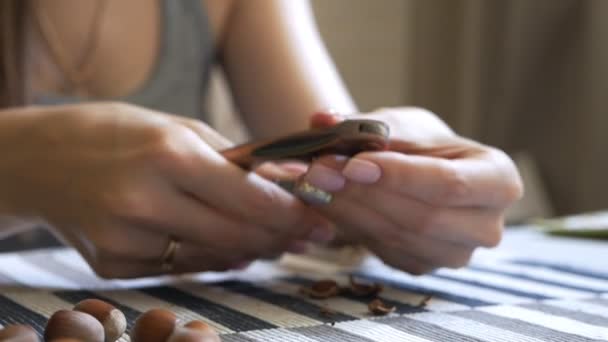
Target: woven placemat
{"points": [[494, 299]]}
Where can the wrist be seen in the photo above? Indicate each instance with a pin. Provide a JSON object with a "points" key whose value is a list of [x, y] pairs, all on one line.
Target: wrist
{"points": [[17, 127]]}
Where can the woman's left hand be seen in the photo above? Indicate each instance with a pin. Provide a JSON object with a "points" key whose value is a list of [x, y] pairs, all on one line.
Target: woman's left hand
{"points": [[427, 202]]}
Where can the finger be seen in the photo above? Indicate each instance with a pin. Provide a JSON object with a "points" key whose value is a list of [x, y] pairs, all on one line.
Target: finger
{"points": [[376, 231], [177, 214], [185, 261], [445, 182], [208, 134], [139, 253], [472, 227], [325, 119], [403, 262], [325, 173], [281, 171], [372, 230], [244, 195]]}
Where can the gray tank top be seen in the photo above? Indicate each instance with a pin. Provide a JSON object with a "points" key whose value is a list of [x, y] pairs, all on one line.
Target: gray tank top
{"points": [[179, 78]]}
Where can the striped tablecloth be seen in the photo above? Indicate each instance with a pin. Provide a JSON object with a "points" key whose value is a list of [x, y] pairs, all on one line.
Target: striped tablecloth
{"points": [[532, 288]]}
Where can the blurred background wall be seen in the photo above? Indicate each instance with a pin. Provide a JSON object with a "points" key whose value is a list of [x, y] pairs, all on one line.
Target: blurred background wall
{"points": [[527, 76]]}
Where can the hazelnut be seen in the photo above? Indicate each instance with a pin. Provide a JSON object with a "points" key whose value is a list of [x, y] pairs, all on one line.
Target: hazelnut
{"points": [[184, 334], [199, 325], [155, 325], [204, 328], [424, 302], [18, 333], [113, 320], [322, 289], [379, 308], [73, 324], [363, 289]]}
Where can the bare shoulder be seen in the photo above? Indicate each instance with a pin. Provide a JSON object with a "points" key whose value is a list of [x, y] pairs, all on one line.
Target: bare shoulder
{"points": [[218, 12]]}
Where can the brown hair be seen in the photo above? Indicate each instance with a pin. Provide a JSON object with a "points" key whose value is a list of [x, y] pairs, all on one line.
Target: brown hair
{"points": [[13, 89]]}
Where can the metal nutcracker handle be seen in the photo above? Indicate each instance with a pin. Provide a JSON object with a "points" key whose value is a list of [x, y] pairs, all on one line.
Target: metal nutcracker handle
{"points": [[347, 138]]}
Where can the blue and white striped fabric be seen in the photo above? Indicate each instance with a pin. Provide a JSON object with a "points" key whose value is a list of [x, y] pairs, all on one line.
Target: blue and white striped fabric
{"points": [[499, 297]]}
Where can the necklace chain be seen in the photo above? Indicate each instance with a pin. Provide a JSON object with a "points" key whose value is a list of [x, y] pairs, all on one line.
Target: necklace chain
{"points": [[76, 75]]}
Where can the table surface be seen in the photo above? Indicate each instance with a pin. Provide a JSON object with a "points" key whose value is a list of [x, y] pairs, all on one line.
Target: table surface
{"points": [[533, 287]]}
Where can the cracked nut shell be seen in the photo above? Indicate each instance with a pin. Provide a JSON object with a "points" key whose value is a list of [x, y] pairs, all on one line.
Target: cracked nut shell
{"points": [[322, 289], [363, 289], [379, 308]]}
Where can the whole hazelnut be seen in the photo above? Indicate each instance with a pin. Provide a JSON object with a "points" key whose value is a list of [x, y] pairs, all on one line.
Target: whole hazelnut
{"points": [[183, 334], [199, 325], [203, 328], [18, 333], [73, 324], [113, 320], [155, 325]]}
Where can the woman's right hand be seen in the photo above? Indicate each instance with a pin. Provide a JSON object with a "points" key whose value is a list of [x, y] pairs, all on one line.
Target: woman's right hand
{"points": [[117, 181]]}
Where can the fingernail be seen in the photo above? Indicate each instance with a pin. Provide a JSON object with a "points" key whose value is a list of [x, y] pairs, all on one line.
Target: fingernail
{"points": [[298, 247], [334, 112], [362, 171], [294, 168], [325, 178], [321, 235]]}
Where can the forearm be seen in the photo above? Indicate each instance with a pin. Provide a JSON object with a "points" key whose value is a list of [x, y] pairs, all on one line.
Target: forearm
{"points": [[278, 67]]}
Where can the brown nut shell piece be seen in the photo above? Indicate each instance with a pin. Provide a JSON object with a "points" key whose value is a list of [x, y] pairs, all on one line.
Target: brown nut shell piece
{"points": [[155, 325], [379, 308], [73, 324], [363, 289], [18, 333], [113, 320], [425, 301], [322, 289], [183, 334], [327, 312]]}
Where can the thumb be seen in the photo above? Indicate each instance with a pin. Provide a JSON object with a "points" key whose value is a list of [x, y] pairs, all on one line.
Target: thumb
{"points": [[324, 119]]}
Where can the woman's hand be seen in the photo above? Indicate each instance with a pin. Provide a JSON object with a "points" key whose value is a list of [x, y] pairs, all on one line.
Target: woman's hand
{"points": [[117, 181], [428, 202]]}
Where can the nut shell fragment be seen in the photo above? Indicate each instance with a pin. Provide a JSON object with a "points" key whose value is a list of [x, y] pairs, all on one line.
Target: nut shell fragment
{"points": [[322, 289], [363, 289], [379, 308], [423, 303]]}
